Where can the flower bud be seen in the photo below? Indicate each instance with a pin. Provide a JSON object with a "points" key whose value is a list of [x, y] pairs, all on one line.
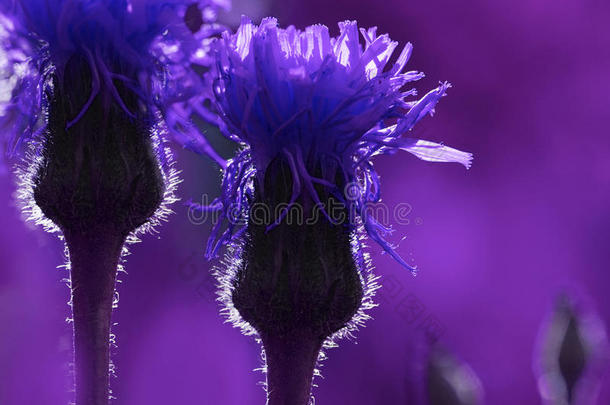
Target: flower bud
{"points": [[102, 169], [301, 274]]}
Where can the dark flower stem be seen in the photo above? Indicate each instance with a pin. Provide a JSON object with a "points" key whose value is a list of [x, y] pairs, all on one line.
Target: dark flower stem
{"points": [[94, 257], [291, 361]]}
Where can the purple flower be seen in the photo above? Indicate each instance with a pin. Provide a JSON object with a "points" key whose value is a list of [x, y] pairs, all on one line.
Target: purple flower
{"points": [[326, 106], [94, 87], [143, 45]]}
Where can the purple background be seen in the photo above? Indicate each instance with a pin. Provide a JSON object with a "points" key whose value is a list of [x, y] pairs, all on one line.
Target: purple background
{"points": [[494, 244]]}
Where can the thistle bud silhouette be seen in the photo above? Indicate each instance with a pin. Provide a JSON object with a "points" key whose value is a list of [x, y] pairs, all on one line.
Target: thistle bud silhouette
{"points": [[297, 285], [97, 182]]}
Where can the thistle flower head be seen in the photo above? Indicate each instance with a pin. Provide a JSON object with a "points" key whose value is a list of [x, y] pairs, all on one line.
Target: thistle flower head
{"points": [[145, 46], [324, 105]]}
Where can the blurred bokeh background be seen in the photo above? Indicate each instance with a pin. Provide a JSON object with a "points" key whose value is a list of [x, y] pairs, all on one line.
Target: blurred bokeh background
{"points": [[495, 245]]}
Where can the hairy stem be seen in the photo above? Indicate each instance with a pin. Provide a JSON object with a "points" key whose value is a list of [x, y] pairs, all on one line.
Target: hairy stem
{"points": [[291, 361], [94, 257]]}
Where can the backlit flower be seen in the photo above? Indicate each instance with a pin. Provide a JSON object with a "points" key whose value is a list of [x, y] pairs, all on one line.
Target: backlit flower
{"points": [[94, 88], [310, 112], [326, 106]]}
